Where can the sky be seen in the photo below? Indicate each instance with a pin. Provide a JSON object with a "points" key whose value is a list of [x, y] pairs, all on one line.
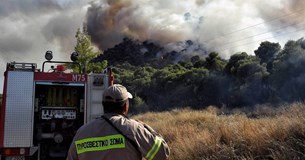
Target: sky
{"points": [[29, 28]]}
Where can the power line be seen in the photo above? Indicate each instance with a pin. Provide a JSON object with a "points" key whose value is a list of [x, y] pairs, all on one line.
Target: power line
{"points": [[265, 22], [277, 30], [262, 39]]}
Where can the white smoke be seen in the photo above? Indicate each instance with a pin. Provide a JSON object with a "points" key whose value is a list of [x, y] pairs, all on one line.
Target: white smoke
{"points": [[218, 25]]}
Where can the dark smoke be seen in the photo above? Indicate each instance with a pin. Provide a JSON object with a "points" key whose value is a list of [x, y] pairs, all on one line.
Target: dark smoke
{"points": [[216, 24]]}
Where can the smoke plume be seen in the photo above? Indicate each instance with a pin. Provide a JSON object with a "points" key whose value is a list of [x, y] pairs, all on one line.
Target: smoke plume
{"points": [[30, 27], [217, 25]]}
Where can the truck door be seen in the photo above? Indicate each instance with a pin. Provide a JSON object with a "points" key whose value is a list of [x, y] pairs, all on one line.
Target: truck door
{"points": [[19, 109]]}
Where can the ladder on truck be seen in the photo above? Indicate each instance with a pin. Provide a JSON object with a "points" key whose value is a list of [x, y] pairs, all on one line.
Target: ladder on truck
{"points": [[20, 66]]}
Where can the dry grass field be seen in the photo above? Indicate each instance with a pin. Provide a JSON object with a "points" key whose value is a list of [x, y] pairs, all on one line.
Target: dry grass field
{"points": [[219, 134]]}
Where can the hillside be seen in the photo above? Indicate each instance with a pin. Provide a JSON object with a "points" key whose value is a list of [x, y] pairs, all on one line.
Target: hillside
{"points": [[264, 133], [163, 79]]}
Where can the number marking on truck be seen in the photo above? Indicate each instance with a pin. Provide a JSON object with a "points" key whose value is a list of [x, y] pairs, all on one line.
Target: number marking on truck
{"points": [[78, 78]]}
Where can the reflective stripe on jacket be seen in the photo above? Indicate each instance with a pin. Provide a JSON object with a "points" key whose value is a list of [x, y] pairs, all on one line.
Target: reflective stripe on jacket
{"points": [[99, 140]]}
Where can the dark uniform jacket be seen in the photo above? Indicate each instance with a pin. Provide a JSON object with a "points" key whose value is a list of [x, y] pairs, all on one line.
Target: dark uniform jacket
{"points": [[98, 140]]}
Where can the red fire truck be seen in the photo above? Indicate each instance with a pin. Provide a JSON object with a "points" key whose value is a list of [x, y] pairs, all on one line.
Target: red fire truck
{"points": [[41, 110]]}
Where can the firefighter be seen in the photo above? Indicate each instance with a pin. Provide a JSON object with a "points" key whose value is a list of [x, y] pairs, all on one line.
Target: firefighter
{"points": [[115, 136]]}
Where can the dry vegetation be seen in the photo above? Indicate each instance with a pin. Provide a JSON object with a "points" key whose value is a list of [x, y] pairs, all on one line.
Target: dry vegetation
{"points": [[263, 133]]}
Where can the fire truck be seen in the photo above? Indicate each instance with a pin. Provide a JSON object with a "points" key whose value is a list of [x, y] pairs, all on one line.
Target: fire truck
{"points": [[42, 109]]}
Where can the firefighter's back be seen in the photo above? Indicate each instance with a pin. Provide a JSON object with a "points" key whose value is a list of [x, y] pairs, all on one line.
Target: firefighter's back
{"points": [[100, 140]]}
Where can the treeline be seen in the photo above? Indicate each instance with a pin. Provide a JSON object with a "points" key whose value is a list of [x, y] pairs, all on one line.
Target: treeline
{"points": [[159, 81]]}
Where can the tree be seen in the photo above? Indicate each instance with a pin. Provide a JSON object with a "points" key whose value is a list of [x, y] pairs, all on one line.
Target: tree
{"points": [[267, 51], [287, 79], [214, 63], [86, 53], [247, 86], [235, 61]]}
